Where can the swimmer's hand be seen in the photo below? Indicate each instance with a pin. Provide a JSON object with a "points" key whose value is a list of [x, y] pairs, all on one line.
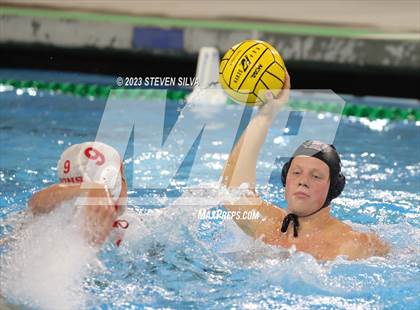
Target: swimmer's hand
{"points": [[99, 215], [274, 104]]}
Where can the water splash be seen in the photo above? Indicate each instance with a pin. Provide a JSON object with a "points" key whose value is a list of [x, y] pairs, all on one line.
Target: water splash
{"points": [[46, 262]]}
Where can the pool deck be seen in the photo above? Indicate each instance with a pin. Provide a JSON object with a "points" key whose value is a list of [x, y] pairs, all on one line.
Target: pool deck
{"points": [[361, 33]]}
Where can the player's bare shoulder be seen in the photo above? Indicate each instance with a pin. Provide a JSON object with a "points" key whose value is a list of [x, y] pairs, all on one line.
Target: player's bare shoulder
{"points": [[340, 237], [358, 245]]}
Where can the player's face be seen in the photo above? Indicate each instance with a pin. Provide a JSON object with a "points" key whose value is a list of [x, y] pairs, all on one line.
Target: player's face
{"points": [[307, 184]]}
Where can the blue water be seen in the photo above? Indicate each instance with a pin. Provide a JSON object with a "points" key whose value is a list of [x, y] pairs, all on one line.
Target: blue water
{"points": [[172, 260]]}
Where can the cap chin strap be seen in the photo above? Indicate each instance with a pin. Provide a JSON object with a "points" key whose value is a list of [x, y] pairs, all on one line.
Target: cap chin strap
{"points": [[291, 217]]}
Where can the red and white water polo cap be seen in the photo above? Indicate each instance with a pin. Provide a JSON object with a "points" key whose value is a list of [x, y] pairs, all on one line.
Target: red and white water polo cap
{"points": [[91, 162]]}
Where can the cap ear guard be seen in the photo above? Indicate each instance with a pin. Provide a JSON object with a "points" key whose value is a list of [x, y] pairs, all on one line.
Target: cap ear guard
{"points": [[111, 178], [284, 171], [339, 186]]}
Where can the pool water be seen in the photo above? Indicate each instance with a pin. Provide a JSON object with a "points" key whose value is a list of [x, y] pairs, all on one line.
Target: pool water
{"points": [[171, 259]]}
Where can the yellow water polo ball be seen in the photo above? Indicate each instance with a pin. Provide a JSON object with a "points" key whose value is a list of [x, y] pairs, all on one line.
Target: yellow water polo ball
{"points": [[249, 69]]}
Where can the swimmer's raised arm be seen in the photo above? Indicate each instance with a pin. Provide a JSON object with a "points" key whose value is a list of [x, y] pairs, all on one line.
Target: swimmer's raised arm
{"points": [[48, 198], [241, 165]]}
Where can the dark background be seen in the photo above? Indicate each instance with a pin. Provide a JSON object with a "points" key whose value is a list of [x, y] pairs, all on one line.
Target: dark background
{"points": [[343, 79]]}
